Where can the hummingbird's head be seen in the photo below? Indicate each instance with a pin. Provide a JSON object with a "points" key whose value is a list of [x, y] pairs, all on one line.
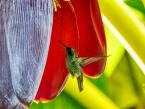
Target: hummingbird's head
{"points": [[70, 51]]}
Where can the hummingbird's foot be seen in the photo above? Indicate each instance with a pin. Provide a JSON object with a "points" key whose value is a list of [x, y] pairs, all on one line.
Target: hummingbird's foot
{"points": [[80, 82]]}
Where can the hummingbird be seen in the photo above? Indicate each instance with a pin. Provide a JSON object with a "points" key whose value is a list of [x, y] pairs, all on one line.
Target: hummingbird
{"points": [[75, 64]]}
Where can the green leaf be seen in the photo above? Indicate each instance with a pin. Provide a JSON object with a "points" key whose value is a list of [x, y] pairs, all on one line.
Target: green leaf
{"points": [[130, 30], [137, 4], [121, 85]]}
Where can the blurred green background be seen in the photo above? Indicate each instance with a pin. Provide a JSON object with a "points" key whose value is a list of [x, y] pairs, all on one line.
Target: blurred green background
{"points": [[122, 85]]}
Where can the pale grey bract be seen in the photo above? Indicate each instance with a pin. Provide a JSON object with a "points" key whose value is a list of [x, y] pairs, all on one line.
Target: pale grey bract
{"points": [[25, 32]]}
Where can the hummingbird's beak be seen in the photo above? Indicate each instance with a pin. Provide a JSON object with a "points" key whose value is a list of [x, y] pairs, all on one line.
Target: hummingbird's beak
{"points": [[62, 44]]}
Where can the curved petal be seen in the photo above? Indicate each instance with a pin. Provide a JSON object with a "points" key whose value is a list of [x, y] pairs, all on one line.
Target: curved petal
{"points": [[80, 27], [92, 41], [55, 74]]}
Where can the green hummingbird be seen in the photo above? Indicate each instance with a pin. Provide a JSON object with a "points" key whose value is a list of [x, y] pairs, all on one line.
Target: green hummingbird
{"points": [[75, 64]]}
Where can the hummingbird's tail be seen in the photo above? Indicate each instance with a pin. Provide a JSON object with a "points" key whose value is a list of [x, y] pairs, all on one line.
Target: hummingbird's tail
{"points": [[80, 82]]}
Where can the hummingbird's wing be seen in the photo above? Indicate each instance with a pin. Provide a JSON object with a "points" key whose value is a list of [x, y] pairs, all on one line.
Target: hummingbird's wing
{"points": [[84, 61]]}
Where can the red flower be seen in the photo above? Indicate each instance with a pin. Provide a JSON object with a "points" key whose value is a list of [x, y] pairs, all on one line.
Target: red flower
{"points": [[78, 25]]}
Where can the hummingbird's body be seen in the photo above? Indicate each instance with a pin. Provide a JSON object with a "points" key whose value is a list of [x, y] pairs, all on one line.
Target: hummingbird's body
{"points": [[75, 64], [74, 67], [72, 62]]}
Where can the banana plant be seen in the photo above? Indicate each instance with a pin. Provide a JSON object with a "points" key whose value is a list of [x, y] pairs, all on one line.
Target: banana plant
{"points": [[125, 73]]}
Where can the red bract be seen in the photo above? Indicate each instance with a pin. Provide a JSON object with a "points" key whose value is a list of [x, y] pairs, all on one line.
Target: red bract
{"points": [[55, 74], [92, 39], [78, 25]]}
